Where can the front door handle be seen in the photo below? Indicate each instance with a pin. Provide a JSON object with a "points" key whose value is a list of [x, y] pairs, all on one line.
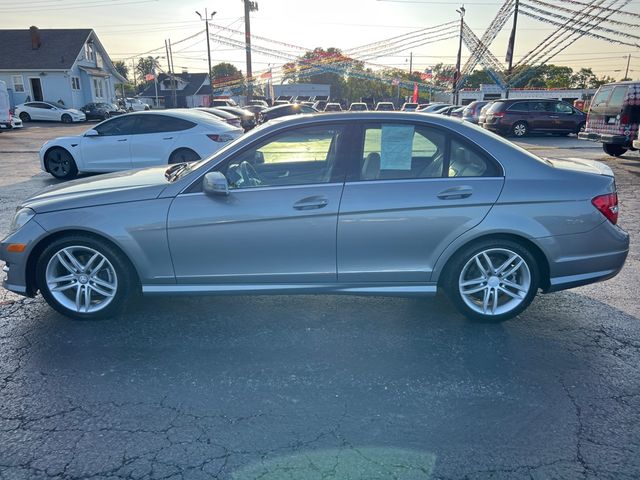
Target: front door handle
{"points": [[122, 140], [167, 138], [311, 203], [455, 193]]}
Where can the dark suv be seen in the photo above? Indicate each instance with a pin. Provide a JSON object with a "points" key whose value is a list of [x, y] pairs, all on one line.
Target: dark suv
{"points": [[520, 117]]}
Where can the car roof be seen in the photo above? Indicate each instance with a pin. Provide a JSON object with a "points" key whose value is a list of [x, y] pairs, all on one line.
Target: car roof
{"points": [[185, 115]]}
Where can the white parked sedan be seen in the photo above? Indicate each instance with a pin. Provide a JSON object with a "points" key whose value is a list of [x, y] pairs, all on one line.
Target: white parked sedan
{"points": [[51, 111], [137, 140], [135, 105]]}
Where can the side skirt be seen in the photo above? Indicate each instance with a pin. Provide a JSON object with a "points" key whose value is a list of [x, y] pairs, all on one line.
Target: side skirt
{"points": [[400, 290]]}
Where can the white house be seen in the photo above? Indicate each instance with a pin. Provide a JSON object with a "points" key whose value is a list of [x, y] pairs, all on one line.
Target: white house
{"points": [[62, 65]]}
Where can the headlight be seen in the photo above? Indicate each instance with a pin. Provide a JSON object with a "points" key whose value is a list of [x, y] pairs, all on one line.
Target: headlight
{"points": [[21, 217]]}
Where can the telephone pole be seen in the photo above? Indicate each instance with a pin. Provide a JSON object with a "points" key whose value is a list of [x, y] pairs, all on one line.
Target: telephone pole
{"points": [[510, 48], [410, 63], [249, 6], [206, 19], [626, 72], [456, 77]]}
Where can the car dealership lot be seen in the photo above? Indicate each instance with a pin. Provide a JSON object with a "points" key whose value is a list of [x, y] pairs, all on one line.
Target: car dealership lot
{"points": [[247, 387]]}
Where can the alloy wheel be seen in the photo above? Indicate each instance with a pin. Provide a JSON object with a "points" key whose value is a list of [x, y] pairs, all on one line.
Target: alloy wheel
{"points": [[59, 163], [519, 129], [494, 281], [81, 279]]}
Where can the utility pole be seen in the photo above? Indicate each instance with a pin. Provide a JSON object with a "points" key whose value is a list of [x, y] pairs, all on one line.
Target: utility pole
{"points": [[626, 72], [249, 6], [206, 19], [172, 73], [511, 47], [133, 71], [456, 77], [410, 63]]}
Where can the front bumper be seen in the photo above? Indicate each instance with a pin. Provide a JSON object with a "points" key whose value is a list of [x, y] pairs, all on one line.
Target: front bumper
{"points": [[604, 138], [15, 269]]}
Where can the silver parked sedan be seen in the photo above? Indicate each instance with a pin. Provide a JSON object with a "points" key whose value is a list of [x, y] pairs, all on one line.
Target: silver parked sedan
{"points": [[366, 203]]}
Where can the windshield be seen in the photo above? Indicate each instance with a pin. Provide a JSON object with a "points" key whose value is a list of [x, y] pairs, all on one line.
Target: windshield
{"points": [[56, 104]]}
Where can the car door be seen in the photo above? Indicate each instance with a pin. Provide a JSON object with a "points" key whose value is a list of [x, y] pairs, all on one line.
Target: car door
{"points": [[109, 151], [37, 110], [566, 118], [154, 139], [541, 115], [415, 189], [278, 223]]}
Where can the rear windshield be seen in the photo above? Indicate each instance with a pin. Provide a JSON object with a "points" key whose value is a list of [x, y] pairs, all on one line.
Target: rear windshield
{"points": [[601, 96], [618, 95], [495, 107]]}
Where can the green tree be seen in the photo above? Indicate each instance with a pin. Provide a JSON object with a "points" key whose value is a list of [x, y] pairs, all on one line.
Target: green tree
{"points": [[121, 68], [225, 72], [583, 78], [145, 66], [476, 78]]}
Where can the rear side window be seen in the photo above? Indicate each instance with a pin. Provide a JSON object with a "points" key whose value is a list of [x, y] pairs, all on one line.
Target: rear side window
{"points": [[617, 97], [162, 123], [540, 106], [519, 107], [403, 151]]}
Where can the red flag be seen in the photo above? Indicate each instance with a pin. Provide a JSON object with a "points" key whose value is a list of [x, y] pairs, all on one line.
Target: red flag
{"points": [[266, 75], [149, 77], [415, 93]]}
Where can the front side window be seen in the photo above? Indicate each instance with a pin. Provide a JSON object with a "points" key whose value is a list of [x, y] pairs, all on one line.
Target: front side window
{"points": [[124, 125], [18, 83], [563, 108], [538, 107], [300, 157]]}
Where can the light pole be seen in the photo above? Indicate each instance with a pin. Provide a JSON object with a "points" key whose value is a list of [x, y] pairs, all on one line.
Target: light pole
{"points": [[456, 80], [249, 6], [206, 19], [155, 76]]}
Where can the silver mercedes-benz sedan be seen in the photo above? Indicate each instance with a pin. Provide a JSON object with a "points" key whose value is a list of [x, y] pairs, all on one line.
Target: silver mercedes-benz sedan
{"points": [[366, 203]]}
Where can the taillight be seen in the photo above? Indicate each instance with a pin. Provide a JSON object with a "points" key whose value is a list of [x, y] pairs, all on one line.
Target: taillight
{"points": [[498, 114], [624, 119], [219, 138], [607, 205]]}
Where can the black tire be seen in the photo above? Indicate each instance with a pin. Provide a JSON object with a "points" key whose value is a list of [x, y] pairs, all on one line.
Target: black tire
{"points": [[183, 155], [126, 279], [499, 249], [613, 150], [66, 118], [59, 163], [106, 115], [520, 129], [25, 117]]}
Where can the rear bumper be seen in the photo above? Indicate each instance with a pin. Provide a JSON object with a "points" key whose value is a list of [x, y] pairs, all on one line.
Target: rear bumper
{"points": [[636, 144], [604, 138], [585, 258]]}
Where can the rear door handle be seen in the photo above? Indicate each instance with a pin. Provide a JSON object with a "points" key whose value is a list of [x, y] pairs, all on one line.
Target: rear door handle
{"points": [[311, 203], [122, 140], [167, 138], [455, 193]]}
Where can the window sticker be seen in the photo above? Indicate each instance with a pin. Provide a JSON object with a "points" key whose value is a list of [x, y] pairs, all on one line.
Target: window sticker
{"points": [[397, 141]]}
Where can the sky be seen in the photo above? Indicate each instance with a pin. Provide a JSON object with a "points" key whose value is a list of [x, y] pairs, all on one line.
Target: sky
{"points": [[130, 28]]}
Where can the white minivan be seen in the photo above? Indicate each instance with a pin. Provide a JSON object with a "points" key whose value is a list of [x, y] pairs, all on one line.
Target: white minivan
{"points": [[5, 114]]}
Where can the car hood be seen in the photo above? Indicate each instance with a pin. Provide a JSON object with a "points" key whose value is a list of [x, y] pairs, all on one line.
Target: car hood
{"points": [[581, 165], [119, 187]]}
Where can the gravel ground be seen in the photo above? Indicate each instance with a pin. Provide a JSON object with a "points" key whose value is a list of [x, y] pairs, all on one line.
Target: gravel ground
{"points": [[315, 387]]}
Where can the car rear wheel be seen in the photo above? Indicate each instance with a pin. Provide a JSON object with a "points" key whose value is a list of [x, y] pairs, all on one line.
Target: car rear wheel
{"points": [[84, 278], [105, 115], [494, 280], [66, 118], [613, 150], [60, 164], [25, 117], [519, 129], [183, 155]]}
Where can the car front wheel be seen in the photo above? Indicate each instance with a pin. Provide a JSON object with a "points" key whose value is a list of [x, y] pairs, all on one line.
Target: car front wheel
{"points": [[84, 278], [25, 117], [493, 280], [66, 118], [60, 164]]}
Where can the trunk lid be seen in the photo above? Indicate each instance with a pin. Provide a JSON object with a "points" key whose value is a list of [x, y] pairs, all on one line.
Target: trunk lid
{"points": [[581, 165]]}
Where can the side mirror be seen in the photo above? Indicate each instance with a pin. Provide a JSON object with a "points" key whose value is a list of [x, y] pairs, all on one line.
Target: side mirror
{"points": [[91, 133], [215, 183]]}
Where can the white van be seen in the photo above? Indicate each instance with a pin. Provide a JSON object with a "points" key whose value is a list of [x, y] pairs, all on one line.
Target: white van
{"points": [[5, 115]]}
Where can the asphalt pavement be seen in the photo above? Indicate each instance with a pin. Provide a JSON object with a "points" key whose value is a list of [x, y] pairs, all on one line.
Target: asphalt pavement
{"points": [[322, 387]]}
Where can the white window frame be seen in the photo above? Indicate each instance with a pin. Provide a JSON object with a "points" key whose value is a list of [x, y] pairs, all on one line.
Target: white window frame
{"points": [[18, 87], [89, 52], [75, 83], [98, 88]]}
